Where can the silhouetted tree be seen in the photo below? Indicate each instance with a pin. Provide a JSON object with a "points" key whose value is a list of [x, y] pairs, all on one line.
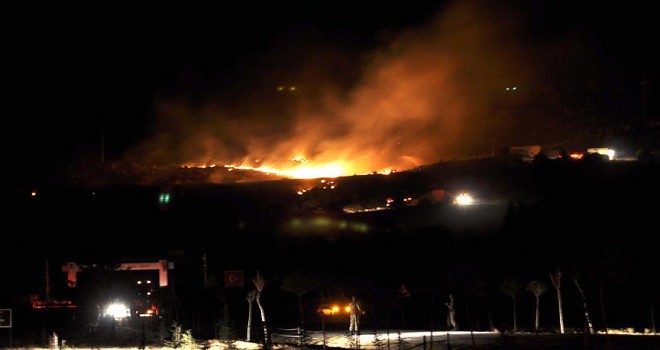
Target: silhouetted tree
{"points": [[300, 283], [538, 288], [512, 287]]}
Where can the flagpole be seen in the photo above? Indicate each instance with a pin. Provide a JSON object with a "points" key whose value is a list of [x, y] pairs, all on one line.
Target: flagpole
{"points": [[205, 270]]}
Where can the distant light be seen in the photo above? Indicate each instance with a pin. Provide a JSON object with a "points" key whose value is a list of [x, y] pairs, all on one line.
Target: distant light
{"points": [[463, 199], [33, 193], [153, 310], [603, 151], [164, 198], [334, 309], [117, 311], [610, 154], [360, 227], [287, 88]]}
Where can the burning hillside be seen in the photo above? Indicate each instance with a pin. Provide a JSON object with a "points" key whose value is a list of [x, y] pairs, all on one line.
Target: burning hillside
{"points": [[424, 95]]}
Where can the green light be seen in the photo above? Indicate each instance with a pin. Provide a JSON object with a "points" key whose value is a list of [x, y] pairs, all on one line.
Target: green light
{"points": [[164, 198]]}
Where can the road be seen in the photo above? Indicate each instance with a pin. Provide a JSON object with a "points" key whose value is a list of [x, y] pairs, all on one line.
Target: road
{"points": [[424, 340]]}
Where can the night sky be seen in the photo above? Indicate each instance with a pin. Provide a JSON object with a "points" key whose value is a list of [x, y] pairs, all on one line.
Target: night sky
{"points": [[72, 70]]}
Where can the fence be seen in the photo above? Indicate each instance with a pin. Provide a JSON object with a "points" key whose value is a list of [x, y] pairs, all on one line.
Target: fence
{"points": [[452, 340], [289, 336], [383, 339]]}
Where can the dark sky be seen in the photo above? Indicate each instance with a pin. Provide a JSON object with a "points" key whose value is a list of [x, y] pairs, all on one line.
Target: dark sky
{"points": [[70, 68]]}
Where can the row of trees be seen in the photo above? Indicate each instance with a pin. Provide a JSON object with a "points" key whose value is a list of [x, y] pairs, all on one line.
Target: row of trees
{"points": [[512, 287], [303, 283]]}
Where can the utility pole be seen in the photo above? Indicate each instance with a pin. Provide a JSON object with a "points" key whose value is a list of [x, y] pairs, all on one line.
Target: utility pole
{"points": [[102, 142], [47, 280], [205, 271]]}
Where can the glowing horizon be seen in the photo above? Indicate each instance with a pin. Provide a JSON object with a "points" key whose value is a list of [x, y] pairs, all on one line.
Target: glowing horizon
{"points": [[304, 170]]}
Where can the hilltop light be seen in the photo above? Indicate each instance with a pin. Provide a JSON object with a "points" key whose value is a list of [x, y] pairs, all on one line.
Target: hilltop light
{"points": [[463, 199], [610, 153]]}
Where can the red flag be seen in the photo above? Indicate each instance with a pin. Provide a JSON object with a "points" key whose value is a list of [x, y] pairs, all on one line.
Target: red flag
{"points": [[233, 279], [404, 291]]}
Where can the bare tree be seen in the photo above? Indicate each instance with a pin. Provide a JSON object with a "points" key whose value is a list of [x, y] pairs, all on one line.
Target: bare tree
{"points": [[260, 283], [300, 283], [555, 277], [575, 276], [512, 287], [538, 288], [250, 299]]}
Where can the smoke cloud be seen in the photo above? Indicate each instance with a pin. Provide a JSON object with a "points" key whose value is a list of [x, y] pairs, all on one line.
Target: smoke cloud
{"points": [[428, 93]]}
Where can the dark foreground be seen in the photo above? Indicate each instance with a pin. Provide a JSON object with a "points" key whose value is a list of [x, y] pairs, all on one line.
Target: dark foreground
{"points": [[409, 340]]}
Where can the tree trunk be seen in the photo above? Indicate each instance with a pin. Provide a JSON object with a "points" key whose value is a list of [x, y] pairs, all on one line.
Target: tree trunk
{"points": [[584, 307], [602, 310], [555, 277], [490, 316], [432, 302], [300, 309], [602, 307], [538, 311], [653, 329], [561, 311], [467, 308], [249, 322], [515, 318], [263, 320]]}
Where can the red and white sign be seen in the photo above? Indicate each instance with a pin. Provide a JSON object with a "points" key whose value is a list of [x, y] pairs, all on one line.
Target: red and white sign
{"points": [[234, 279]]}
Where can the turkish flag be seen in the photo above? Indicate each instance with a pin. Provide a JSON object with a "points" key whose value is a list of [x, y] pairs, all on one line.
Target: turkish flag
{"points": [[404, 291], [233, 279]]}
